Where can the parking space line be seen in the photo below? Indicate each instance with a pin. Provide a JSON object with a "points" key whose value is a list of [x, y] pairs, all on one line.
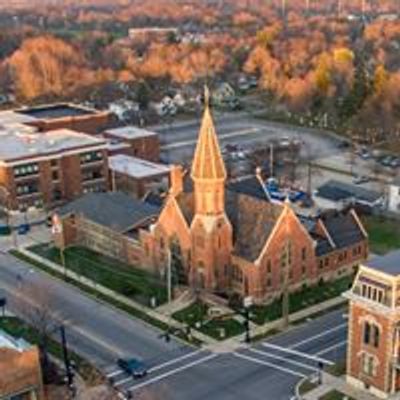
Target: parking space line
{"points": [[276, 357], [174, 360], [319, 335], [333, 347], [173, 372], [267, 364], [296, 353], [241, 132]]}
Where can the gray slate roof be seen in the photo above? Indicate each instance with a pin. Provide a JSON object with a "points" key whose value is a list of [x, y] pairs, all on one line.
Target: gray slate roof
{"points": [[114, 210], [389, 263], [337, 191]]}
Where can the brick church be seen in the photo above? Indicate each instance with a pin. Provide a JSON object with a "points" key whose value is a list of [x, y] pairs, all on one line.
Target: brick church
{"points": [[231, 238]]}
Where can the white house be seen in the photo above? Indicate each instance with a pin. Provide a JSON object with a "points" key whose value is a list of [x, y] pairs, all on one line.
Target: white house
{"points": [[394, 196]]}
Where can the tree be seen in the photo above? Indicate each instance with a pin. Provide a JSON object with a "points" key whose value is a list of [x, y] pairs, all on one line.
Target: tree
{"points": [[46, 66], [33, 303]]}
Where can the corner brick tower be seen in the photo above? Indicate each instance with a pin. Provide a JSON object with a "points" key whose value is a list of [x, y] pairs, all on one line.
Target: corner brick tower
{"points": [[211, 231]]}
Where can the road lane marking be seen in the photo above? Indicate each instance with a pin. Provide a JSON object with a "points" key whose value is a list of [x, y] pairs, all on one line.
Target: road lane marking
{"points": [[121, 382], [267, 364], [333, 347], [319, 335], [175, 360], [172, 372], [297, 353], [185, 143], [276, 357], [111, 374]]}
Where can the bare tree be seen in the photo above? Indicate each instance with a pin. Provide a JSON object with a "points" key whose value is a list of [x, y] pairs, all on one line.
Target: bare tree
{"points": [[33, 303]]}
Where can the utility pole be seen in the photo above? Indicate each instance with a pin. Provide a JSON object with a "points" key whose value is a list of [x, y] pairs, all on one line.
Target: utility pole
{"points": [[67, 363], [169, 276], [271, 160]]}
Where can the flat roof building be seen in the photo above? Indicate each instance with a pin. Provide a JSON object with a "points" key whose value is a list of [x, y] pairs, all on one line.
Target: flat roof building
{"points": [[47, 168], [142, 142], [136, 176], [58, 116]]}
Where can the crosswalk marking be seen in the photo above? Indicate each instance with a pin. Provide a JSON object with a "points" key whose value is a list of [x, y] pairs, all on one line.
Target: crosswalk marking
{"points": [[267, 364], [276, 357], [114, 373], [333, 347], [174, 360], [172, 372], [319, 335], [297, 353]]}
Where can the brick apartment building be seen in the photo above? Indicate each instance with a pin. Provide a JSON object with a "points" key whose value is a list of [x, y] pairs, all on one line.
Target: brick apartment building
{"points": [[47, 168], [20, 376], [231, 238], [373, 355]]}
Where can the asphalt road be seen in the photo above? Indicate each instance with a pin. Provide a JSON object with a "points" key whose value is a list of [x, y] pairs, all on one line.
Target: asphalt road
{"points": [[98, 332], [269, 370]]}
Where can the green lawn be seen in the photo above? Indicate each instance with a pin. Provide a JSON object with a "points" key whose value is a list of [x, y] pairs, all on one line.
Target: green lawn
{"points": [[334, 395], [197, 312], [384, 234], [124, 279], [19, 329], [302, 299]]}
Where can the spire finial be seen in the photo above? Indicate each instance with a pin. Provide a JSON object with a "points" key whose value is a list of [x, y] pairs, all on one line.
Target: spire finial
{"points": [[206, 96]]}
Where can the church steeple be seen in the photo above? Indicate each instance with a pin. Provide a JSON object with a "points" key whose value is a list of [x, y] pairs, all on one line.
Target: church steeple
{"points": [[208, 163]]}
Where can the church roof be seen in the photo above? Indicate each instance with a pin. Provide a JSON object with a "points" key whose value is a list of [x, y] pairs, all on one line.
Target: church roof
{"points": [[255, 219], [208, 162]]}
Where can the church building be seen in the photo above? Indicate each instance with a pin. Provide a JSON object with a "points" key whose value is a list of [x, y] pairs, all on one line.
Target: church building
{"points": [[231, 238]]}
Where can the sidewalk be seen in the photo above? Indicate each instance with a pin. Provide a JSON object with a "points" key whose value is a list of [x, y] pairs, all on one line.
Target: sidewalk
{"points": [[331, 383], [116, 296]]}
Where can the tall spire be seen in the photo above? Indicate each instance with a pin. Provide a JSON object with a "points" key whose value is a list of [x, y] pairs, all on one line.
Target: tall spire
{"points": [[208, 162]]}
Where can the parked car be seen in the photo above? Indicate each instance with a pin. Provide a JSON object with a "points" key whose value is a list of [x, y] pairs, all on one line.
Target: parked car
{"points": [[23, 229], [386, 160], [395, 162], [133, 367], [344, 144], [360, 179]]}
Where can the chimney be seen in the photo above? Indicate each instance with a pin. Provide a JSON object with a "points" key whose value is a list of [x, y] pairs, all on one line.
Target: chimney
{"points": [[176, 180]]}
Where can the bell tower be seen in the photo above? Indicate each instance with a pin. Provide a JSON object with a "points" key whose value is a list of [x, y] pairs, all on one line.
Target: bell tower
{"points": [[211, 231]]}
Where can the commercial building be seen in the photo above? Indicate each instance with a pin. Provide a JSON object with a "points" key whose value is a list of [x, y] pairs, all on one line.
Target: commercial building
{"points": [[21, 376], [60, 116], [373, 354], [47, 168], [136, 176]]}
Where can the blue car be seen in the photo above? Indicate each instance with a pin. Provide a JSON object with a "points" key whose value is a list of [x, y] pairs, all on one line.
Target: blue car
{"points": [[23, 229], [133, 367]]}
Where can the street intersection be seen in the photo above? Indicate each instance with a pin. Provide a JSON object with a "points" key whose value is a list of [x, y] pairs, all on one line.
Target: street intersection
{"points": [[269, 369]]}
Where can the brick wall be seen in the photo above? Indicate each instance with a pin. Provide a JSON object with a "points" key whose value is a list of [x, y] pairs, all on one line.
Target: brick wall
{"points": [[356, 347]]}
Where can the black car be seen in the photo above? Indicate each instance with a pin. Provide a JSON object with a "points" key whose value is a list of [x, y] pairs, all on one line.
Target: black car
{"points": [[133, 367]]}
